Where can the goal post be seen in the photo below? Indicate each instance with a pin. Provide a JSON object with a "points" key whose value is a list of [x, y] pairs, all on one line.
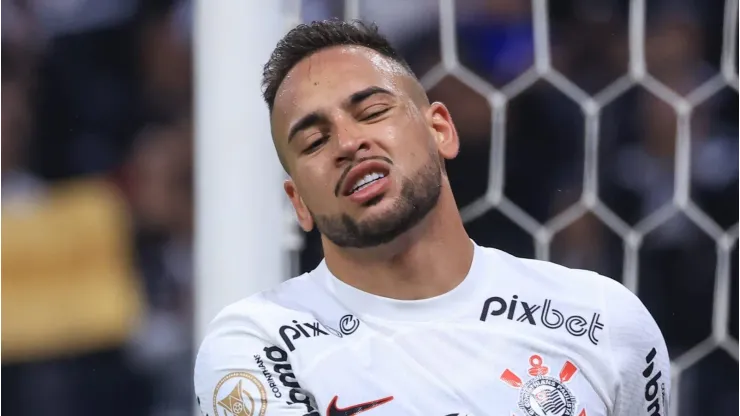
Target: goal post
{"points": [[240, 223]]}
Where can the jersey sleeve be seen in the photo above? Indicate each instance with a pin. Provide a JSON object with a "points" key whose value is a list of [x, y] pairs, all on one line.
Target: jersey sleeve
{"points": [[639, 356], [239, 373]]}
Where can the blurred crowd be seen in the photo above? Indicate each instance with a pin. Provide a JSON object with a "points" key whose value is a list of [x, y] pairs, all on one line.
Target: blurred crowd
{"points": [[97, 170]]}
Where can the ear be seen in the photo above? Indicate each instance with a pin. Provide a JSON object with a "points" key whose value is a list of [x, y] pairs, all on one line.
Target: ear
{"points": [[301, 210], [448, 142]]}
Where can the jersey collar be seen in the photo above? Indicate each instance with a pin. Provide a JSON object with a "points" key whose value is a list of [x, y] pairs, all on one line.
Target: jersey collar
{"points": [[441, 307]]}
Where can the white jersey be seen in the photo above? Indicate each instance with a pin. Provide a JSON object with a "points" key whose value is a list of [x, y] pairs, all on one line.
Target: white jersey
{"points": [[516, 337]]}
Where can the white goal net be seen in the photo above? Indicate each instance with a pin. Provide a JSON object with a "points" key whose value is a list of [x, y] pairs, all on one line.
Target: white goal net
{"points": [[581, 188]]}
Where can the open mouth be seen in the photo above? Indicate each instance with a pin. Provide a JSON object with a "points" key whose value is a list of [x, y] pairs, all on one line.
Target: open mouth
{"points": [[366, 181], [364, 175]]}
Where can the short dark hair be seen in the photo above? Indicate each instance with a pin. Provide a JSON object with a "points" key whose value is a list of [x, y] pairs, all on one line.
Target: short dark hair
{"points": [[307, 39]]}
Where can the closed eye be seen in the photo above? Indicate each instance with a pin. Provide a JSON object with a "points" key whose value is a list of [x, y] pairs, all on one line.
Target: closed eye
{"points": [[315, 145], [375, 114]]}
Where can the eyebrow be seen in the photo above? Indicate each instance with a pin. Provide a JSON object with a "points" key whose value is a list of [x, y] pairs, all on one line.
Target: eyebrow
{"points": [[362, 95], [309, 120], [313, 118]]}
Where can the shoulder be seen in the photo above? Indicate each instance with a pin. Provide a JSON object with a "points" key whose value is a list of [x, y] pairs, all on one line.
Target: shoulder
{"points": [[256, 315], [241, 349], [548, 276], [623, 308], [582, 287]]}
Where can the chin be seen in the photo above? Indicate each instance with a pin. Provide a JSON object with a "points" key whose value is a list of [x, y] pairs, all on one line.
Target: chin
{"points": [[374, 201], [380, 205]]}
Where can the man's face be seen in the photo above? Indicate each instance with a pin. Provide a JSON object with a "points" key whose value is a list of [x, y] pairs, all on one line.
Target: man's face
{"points": [[361, 145]]}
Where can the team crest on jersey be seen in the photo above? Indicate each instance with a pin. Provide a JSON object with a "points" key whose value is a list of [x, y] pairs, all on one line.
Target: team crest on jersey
{"points": [[542, 394], [239, 394]]}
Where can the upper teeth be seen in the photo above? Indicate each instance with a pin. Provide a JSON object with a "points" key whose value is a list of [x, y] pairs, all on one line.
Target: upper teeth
{"points": [[367, 179]]}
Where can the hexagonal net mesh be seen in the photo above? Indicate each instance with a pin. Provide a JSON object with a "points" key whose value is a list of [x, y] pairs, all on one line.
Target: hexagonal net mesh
{"points": [[635, 149]]}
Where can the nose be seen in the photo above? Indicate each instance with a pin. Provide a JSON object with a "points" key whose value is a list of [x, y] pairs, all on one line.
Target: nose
{"points": [[350, 141]]}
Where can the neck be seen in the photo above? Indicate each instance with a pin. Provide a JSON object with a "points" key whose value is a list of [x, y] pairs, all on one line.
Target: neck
{"points": [[427, 261]]}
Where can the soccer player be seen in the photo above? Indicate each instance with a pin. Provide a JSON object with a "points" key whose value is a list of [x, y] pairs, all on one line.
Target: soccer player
{"points": [[406, 315]]}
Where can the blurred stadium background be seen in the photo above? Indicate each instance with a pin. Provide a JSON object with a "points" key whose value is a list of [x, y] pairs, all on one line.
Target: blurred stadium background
{"points": [[598, 134]]}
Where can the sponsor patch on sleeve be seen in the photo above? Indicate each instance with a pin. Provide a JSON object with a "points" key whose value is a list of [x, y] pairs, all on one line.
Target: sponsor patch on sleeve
{"points": [[239, 394]]}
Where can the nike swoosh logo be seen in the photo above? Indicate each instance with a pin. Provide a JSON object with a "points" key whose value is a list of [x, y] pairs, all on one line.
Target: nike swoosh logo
{"points": [[333, 410]]}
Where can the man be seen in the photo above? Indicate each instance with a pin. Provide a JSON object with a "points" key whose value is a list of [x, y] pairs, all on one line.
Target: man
{"points": [[406, 315]]}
